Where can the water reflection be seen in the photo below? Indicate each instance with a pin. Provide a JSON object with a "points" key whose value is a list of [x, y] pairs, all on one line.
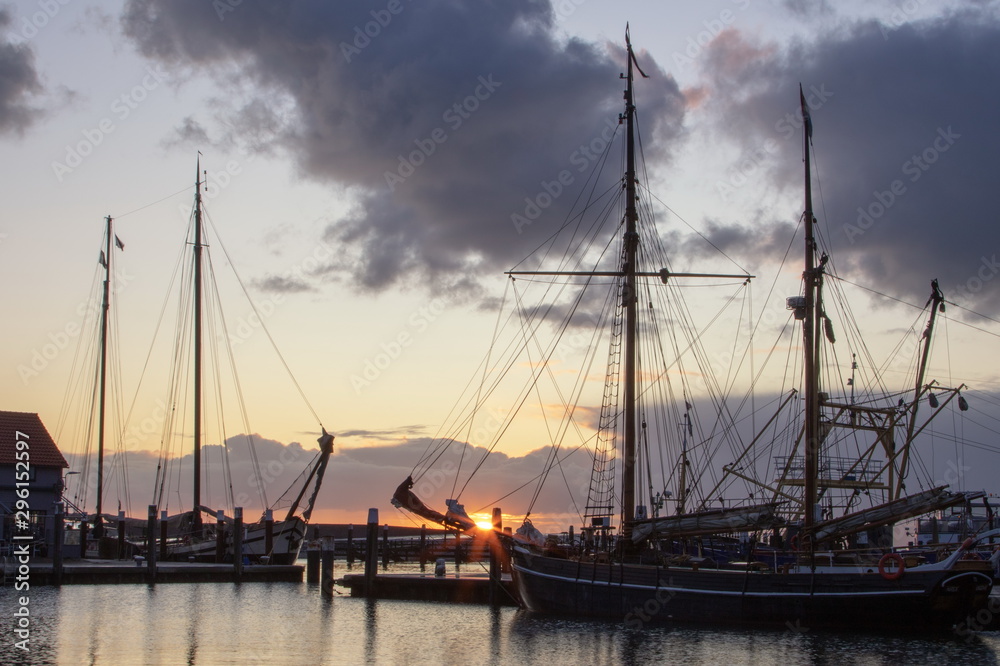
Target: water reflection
{"points": [[371, 629], [562, 640], [288, 623]]}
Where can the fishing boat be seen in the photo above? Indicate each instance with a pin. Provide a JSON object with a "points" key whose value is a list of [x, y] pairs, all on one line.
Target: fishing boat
{"points": [[801, 541]]}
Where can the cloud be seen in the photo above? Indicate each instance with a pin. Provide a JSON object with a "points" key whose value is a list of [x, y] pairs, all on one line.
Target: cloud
{"points": [[356, 479], [282, 284], [389, 434], [360, 477], [905, 146], [18, 81], [808, 8], [442, 118]]}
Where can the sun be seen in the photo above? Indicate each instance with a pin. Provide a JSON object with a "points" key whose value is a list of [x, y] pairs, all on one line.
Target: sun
{"points": [[484, 524]]}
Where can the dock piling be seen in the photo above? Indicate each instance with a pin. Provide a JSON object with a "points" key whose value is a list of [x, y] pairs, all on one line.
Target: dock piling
{"points": [[121, 535], [163, 534], [220, 537], [238, 542], [326, 568], [350, 545], [57, 556], [312, 564], [385, 546], [423, 546], [268, 533], [84, 528], [151, 545], [371, 551], [496, 555]]}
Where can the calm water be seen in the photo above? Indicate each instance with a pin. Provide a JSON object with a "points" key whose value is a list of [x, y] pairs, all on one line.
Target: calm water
{"points": [[291, 623]]}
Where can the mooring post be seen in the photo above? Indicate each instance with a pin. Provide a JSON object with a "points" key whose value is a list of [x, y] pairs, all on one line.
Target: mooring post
{"points": [[84, 528], [505, 563], [268, 534], [350, 545], [385, 547], [238, 541], [121, 535], [371, 552], [151, 545], [571, 538], [423, 546], [163, 535], [312, 563], [57, 544], [220, 537], [326, 568], [496, 555]]}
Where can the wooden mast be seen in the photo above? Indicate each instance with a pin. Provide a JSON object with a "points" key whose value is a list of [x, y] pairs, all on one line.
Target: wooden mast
{"points": [[630, 274], [936, 302], [197, 523], [105, 306], [810, 326], [629, 298]]}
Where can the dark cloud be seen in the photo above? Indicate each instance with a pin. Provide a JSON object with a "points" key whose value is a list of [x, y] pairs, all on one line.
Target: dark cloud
{"points": [[748, 240], [18, 81], [282, 284], [442, 119], [905, 141], [189, 133]]}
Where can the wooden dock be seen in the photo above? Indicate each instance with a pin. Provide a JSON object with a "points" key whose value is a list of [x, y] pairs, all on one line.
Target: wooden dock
{"points": [[469, 588], [100, 572]]}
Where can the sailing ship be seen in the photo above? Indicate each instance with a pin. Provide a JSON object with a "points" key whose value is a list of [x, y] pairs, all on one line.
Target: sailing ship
{"points": [[203, 534], [267, 540], [796, 556]]}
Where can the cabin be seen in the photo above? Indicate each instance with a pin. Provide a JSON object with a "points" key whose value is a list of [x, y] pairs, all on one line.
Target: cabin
{"points": [[31, 469]]}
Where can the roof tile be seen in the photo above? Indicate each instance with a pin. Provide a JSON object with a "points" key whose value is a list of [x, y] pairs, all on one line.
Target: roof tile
{"points": [[44, 452]]}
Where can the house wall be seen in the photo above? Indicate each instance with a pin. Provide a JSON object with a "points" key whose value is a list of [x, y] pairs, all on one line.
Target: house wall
{"points": [[43, 490]]}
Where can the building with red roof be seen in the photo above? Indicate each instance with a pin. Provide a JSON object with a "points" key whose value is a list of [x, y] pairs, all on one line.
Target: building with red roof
{"points": [[31, 470]]}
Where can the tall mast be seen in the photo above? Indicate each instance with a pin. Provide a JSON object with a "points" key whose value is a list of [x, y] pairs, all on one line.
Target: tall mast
{"points": [[105, 305], [810, 324], [936, 302], [197, 347], [629, 297], [630, 274]]}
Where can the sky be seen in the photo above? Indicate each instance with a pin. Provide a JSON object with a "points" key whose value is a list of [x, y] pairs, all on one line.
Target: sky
{"points": [[370, 167]]}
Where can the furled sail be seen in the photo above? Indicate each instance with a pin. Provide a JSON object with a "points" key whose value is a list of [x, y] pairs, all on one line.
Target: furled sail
{"points": [[716, 521], [891, 512]]}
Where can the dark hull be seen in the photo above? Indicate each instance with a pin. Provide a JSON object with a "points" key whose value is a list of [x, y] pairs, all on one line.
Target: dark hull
{"points": [[640, 594], [287, 540]]}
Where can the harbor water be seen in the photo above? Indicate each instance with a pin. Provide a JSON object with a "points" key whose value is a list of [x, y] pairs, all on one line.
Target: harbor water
{"points": [[293, 623]]}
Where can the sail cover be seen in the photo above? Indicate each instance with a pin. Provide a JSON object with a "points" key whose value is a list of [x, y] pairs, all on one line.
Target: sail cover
{"points": [[717, 521], [891, 512]]}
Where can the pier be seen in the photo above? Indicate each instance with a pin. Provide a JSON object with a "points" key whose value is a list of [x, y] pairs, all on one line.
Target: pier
{"points": [[467, 588], [492, 584], [107, 572]]}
